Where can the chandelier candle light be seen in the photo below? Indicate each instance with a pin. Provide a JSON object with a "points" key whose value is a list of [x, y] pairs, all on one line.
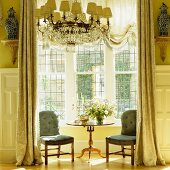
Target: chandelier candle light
{"points": [[70, 26]]}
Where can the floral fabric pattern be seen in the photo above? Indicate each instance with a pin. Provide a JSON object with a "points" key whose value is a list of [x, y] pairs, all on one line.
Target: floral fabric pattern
{"points": [[147, 148], [0, 14], [27, 152]]}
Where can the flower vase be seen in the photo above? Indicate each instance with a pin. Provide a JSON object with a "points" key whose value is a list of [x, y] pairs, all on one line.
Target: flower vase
{"points": [[99, 120]]}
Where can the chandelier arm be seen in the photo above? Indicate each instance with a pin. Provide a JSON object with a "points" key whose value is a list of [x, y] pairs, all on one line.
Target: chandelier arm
{"points": [[41, 31], [64, 16], [51, 17]]}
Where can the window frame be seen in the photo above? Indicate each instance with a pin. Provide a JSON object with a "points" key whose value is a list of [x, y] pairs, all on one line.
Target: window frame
{"points": [[70, 82]]}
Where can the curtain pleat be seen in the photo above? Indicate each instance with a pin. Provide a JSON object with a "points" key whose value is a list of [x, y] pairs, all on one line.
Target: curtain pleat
{"points": [[27, 152], [0, 14]]}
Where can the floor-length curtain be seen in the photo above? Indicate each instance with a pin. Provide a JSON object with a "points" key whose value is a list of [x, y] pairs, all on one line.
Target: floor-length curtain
{"points": [[0, 14], [147, 147], [27, 152]]}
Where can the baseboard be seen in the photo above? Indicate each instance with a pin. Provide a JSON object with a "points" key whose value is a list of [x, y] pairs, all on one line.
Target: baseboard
{"points": [[166, 154], [7, 156]]}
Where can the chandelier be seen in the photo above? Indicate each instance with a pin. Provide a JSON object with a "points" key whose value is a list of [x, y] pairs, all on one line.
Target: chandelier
{"points": [[70, 26]]}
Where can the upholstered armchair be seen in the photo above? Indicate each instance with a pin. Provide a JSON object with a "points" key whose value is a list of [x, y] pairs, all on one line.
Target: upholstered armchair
{"points": [[126, 138], [49, 135]]}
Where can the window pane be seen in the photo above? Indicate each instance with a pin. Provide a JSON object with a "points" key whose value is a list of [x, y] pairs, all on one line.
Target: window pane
{"points": [[125, 59], [90, 73], [88, 58], [51, 93], [126, 79], [90, 86], [51, 60], [125, 92], [51, 65]]}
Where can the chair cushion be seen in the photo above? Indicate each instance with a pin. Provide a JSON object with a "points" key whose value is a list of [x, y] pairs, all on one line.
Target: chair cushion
{"points": [[122, 138], [56, 140]]}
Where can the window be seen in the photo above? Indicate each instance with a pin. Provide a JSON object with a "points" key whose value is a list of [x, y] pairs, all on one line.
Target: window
{"points": [[125, 78], [89, 73], [51, 70], [67, 79]]}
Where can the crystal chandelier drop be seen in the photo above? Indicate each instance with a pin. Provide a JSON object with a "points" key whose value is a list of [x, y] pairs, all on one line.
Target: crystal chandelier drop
{"points": [[70, 26]]}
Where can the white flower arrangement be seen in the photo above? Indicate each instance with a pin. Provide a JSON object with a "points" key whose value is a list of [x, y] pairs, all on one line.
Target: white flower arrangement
{"points": [[97, 108]]}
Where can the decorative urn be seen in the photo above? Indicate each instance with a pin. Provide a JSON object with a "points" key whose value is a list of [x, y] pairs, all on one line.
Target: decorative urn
{"points": [[163, 21], [11, 25]]}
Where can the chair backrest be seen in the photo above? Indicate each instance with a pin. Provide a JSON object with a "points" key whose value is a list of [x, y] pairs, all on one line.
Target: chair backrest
{"points": [[48, 123], [128, 120]]}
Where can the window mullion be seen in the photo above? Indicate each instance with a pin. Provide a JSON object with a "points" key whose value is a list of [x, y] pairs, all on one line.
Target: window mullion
{"points": [[108, 71], [70, 87]]}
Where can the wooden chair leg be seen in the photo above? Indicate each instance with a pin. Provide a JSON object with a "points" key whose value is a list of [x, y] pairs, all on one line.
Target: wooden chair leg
{"points": [[123, 151], [72, 152], [107, 151], [59, 148], [132, 154], [46, 154]]}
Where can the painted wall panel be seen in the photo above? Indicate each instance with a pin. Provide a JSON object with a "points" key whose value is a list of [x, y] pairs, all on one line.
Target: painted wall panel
{"points": [[163, 109], [8, 110], [159, 100], [167, 99]]}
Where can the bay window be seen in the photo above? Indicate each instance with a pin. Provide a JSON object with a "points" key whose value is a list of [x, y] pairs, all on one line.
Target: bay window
{"points": [[68, 79]]}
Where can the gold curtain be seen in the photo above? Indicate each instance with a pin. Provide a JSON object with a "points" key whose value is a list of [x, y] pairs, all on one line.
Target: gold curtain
{"points": [[27, 152], [147, 148], [0, 14]]}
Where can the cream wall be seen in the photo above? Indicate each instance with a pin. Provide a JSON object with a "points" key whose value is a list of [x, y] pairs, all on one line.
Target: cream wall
{"points": [[5, 55]]}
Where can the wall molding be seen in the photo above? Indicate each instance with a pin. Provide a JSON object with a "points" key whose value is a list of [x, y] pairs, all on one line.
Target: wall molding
{"points": [[162, 69], [163, 109], [8, 110]]}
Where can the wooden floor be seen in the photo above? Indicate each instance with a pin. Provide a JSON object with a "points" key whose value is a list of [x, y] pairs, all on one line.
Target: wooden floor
{"points": [[96, 163]]}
